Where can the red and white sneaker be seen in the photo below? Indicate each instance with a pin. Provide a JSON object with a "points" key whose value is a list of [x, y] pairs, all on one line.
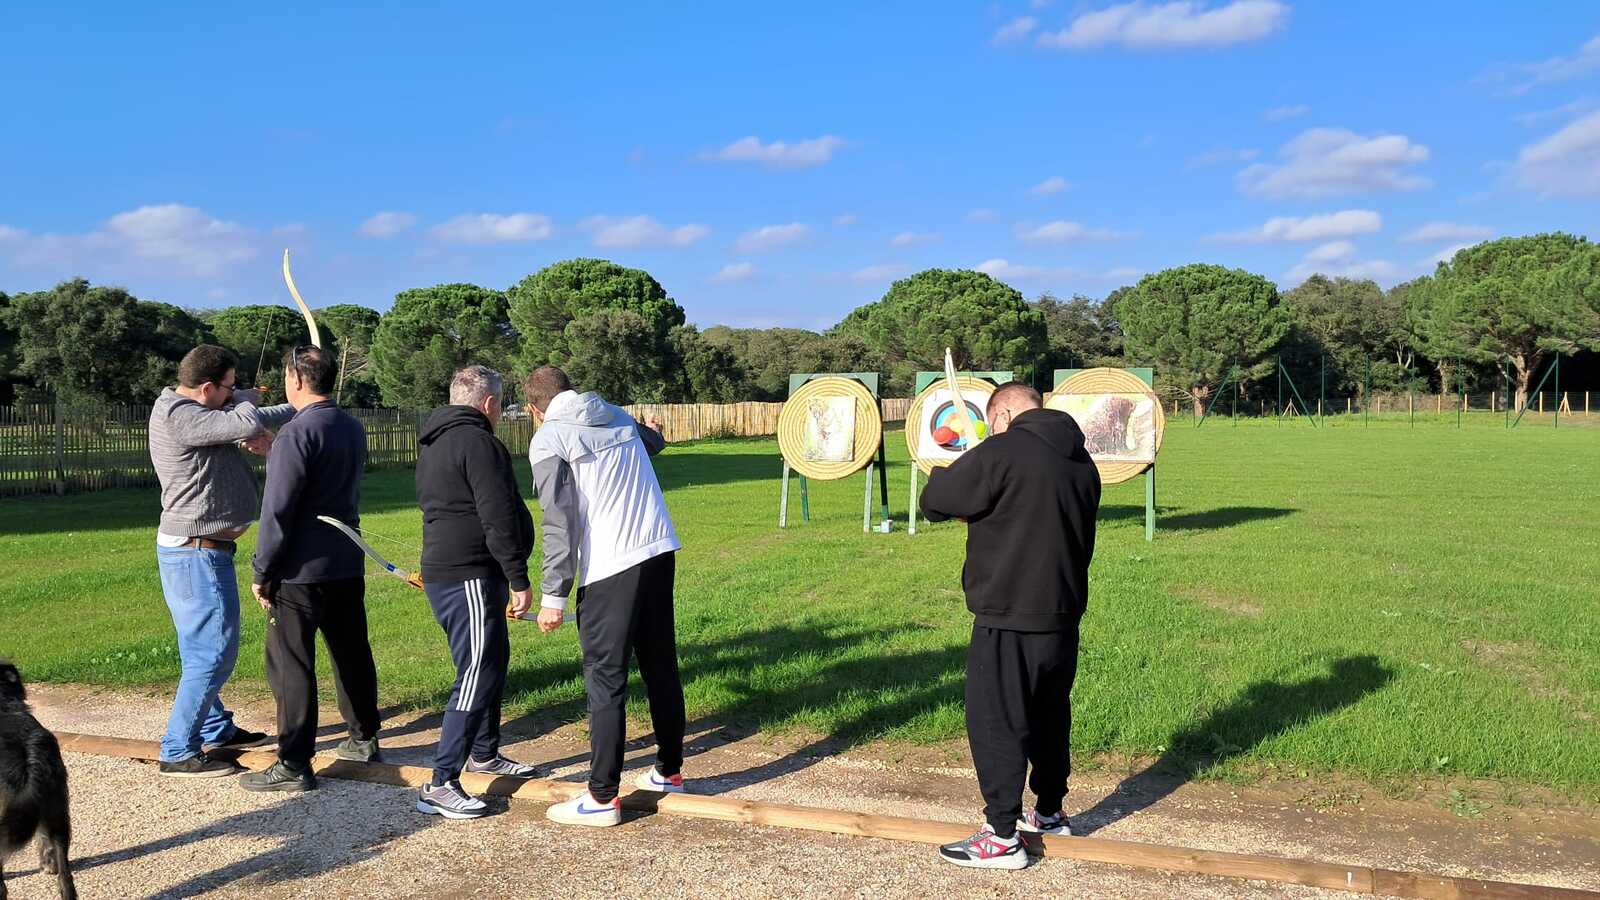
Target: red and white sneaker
{"points": [[986, 850], [585, 810], [653, 780], [1056, 824]]}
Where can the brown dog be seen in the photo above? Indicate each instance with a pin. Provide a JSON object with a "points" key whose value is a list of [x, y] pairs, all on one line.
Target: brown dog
{"points": [[33, 786]]}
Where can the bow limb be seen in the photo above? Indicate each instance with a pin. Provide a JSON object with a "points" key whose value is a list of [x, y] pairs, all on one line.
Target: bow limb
{"points": [[960, 401], [413, 580], [311, 323]]}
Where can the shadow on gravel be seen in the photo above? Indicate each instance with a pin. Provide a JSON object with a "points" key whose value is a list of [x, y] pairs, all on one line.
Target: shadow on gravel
{"points": [[1261, 711], [317, 832]]}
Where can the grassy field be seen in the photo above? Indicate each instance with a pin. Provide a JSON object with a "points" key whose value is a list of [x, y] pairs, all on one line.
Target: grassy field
{"points": [[1379, 601]]}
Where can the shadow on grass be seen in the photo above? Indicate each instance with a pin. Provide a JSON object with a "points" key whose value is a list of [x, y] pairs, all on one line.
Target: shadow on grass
{"points": [[1261, 711], [688, 467], [1204, 520]]}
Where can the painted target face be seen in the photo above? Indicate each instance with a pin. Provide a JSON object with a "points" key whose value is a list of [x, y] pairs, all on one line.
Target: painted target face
{"points": [[947, 427]]}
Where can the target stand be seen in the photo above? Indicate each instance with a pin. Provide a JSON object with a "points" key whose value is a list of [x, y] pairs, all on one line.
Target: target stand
{"points": [[931, 409], [816, 401]]}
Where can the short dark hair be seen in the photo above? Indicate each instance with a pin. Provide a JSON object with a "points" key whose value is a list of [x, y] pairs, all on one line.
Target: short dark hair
{"points": [[207, 362], [316, 370], [543, 384], [1013, 392]]}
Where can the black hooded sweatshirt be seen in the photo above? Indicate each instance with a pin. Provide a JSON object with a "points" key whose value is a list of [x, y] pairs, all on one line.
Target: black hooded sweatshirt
{"points": [[474, 522], [1030, 496]]}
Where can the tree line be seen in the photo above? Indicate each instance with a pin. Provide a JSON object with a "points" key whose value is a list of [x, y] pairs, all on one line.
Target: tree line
{"points": [[1503, 306]]}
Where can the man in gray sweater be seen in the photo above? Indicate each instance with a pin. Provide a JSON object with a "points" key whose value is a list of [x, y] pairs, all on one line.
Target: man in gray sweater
{"points": [[208, 499]]}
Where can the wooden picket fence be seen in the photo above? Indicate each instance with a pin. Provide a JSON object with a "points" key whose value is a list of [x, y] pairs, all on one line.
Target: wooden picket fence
{"points": [[46, 448]]}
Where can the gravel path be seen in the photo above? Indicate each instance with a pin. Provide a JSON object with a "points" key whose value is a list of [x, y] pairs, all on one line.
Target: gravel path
{"points": [[141, 836]]}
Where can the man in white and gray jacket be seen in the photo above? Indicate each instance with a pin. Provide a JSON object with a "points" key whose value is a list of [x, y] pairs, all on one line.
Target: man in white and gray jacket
{"points": [[607, 531], [208, 500]]}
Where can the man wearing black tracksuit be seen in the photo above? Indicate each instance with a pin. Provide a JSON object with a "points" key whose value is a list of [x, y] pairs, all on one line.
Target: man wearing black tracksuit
{"points": [[1029, 495], [476, 538]]}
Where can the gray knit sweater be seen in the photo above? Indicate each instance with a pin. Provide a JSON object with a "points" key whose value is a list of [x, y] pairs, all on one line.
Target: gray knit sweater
{"points": [[206, 483]]}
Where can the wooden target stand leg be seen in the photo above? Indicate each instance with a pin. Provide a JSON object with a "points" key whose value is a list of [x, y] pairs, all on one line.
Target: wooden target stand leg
{"points": [[911, 503], [783, 499], [1150, 503]]}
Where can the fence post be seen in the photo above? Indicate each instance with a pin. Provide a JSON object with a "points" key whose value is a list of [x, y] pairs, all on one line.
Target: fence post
{"points": [[61, 445]]}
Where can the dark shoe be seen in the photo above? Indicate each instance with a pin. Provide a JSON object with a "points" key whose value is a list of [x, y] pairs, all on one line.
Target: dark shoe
{"points": [[359, 751], [241, 739], [278, 777], [200, 766]]}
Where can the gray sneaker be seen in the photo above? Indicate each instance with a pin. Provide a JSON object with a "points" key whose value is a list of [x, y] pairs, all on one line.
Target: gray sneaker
{"points": [[359, 751], [500, 766], [450, 801]]}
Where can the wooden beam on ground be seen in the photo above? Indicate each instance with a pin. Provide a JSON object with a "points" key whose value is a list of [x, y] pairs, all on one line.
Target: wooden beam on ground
{"points": [[1356, 879]]}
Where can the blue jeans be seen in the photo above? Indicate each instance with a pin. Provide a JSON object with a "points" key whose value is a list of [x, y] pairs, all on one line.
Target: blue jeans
{"points": [[203, 595]]}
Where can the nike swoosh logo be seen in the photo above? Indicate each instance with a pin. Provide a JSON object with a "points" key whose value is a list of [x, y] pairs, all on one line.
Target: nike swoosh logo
{"points": [[590, 812]]}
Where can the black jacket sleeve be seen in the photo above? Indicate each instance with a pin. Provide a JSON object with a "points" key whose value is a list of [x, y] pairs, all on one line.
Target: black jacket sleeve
{"points": [[962, 490], [653, 441], [500, 506]]}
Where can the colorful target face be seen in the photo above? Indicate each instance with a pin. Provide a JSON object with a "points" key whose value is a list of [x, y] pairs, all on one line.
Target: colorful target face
{"points": [[947, 427]]}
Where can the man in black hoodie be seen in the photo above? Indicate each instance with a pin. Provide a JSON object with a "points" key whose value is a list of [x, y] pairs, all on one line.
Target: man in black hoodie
{"points": [[1029, 495], [476, 538]]}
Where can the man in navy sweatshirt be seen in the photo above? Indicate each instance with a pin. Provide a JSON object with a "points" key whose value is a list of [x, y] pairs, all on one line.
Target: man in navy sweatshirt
{"points": [[476, 537], [1029, 495], [309, 579]]}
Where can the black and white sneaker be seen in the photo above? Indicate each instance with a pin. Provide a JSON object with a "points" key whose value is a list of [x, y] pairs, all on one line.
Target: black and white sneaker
{"points": [[1056, 824], [500, 766], [241, 739], [359, 751], [200, 765], [450, 801], [278, 777], [987, 850]]}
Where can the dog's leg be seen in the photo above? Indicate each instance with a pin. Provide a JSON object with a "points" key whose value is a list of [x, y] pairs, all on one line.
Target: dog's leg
{"points": [[54, 840]]}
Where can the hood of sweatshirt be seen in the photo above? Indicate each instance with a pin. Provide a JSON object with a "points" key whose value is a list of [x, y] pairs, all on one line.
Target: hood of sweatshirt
{"points": [[447, 417], [577, 426], [1055, 428]]}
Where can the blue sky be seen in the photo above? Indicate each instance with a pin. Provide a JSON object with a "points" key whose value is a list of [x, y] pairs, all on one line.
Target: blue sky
{"points": [[781, 165]]}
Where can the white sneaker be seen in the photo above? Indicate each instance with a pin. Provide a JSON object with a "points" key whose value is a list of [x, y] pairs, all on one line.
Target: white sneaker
{"points": [[986, 850], [1037, 824], [450, 801], [653, 780], [585, 810]]}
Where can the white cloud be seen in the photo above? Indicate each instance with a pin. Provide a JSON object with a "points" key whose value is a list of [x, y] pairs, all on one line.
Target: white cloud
{"points": [[907, 238], [640, 231], [1014, 30], [1221, 155], [387, 224], [1521, 79], [494, 228], [1322, 162], [1061, 231], [1181, 24], [981, 215], [844, 219], [1055, 184], [1564, 111], [1345, 223], [171, 238], [768, 237], [1331, 251], [1449, 231], [1337, 260], [1283, 113], [1565, 164], [883, 272], [779, 154], [181, 235], [740, 271], [1006, 270], [1428, 263]]}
